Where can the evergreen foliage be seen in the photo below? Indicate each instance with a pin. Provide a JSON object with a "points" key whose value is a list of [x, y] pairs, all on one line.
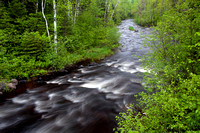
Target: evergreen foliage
{"points": [[172, 101]]}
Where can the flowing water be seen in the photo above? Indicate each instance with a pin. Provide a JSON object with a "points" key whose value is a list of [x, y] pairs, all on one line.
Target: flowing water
{"points": [[86, 101]]}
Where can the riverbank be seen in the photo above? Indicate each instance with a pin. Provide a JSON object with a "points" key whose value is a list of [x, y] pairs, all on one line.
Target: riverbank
{"points": [[94, 55], [175, 72], [85, 100]]}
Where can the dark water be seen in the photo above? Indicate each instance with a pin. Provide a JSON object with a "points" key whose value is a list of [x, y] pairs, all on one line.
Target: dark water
{"points": [[83, 102]]}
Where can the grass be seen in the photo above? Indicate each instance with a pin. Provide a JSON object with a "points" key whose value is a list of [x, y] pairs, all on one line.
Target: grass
{"points": [[92, 54]]}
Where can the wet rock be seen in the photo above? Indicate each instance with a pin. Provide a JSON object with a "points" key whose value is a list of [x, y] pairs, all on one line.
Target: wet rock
{"points": [[136, 30], [10, 85]]}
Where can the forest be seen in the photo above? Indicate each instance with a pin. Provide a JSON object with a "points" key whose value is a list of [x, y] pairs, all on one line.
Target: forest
{"points": [[41, 36]]}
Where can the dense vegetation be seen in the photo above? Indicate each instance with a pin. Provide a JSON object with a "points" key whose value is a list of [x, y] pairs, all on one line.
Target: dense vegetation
{"points": [[37, 36], [172, 101]]}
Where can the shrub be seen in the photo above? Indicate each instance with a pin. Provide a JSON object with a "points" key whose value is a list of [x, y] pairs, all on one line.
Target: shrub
{"points": [[131, 28], [171, 103]]}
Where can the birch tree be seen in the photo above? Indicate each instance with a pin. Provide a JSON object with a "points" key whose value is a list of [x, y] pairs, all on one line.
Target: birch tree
{"points": [[47, 27], [108, 9], [55, 23], [68, 9], [114, 9], [37, 6], [105, 14], [76, 13]]}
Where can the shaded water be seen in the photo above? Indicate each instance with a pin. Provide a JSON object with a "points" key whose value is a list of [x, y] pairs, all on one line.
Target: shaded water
{"points": [[86, 101]]}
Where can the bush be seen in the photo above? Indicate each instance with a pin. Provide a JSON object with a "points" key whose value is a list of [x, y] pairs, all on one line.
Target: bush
{"points": [[172, 109], [171, 103], [131, 28]]}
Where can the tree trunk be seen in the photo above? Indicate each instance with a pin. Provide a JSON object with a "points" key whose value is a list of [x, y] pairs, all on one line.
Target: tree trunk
{"points": [[75, 13], [47, 27], [78, 7], [55, 24], [114, 10], [150, 12], [37, 6], [72, 11], [108, 10], [68, 9], [76, 10], [105, 14]]}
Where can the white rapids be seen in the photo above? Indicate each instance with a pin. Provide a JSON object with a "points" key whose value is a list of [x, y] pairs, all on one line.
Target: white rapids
{"points": [[85, 101]]}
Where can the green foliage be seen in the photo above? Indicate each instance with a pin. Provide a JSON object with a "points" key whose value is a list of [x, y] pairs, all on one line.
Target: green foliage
{"points": [[25, 49], [33, 44], [171, 103], [172, 109], [131, 28], [149, 12], [97, 34], [125, 9]]}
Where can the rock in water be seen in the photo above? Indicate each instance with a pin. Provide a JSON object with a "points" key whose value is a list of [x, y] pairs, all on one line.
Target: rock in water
{"points": [[12, 84]]}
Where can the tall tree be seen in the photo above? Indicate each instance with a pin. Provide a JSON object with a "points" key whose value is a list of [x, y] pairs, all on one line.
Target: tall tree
{"points": [[46, 22], [55, 24], [114, 9]]}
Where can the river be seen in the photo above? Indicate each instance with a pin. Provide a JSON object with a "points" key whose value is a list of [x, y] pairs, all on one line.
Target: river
{"points": [[85, 101]]}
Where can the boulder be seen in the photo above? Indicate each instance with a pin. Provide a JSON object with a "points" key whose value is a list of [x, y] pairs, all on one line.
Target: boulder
{"points": [[10, 85]]}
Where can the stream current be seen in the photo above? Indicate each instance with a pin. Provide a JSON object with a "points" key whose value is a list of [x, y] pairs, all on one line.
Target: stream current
{"points": [[85, 101]]}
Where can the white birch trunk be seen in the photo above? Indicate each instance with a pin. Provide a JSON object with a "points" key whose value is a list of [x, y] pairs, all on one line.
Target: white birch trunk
{"points": [[108, 10], [75, 12], [105, 14], [114, 10], [47, 27], [78, 8], [55, 24], [37, 6], [72, 12]]}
